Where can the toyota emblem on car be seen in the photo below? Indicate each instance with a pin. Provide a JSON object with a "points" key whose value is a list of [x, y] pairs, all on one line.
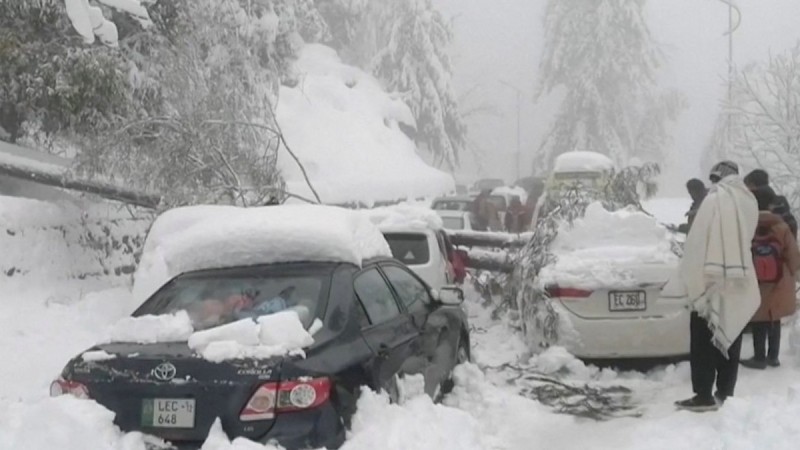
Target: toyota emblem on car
{"points": [[164, 371]]}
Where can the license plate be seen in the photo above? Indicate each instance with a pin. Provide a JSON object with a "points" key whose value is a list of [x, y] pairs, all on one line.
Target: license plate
{"points": [[168, 412], [627, 301]]}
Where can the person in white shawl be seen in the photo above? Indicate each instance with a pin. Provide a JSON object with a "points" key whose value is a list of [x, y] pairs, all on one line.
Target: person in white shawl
{"points": [[717, 280]]}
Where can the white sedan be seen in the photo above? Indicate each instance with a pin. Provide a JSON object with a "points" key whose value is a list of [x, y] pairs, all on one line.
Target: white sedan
{"points": [[604, 287]]}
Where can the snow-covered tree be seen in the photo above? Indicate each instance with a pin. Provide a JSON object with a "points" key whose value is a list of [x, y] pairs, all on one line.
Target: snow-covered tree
{"points": [[213, 67], [405, 44], [600, 55], [760, 126], [50, 82]]}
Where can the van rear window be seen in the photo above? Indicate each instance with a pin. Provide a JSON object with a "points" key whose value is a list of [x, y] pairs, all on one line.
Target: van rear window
{"points": [[410, 248]]}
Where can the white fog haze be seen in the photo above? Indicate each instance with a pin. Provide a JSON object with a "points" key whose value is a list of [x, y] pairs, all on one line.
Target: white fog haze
{"points": [[502, 41]]}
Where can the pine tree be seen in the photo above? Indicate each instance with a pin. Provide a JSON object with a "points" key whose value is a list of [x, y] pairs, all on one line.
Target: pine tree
{"points": [[601, 53]]}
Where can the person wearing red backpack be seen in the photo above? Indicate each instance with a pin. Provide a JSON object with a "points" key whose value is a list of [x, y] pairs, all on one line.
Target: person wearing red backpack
{"points": [[776, 259]]}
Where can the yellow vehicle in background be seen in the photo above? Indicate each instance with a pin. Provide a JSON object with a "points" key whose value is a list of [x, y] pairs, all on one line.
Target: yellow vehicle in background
{"points": [[581, 170]]}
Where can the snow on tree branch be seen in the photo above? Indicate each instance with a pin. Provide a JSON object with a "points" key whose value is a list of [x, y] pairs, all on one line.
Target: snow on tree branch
{"points": [[89, 21]]}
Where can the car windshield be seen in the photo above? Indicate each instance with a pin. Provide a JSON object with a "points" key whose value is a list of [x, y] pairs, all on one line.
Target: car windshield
{"points": [[215, 298], [410, 248], [453, 223], [452, 205]]}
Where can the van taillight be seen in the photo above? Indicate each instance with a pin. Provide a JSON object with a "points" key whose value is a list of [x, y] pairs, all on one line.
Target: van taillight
{"points": [[565, 293], [286, 396]]}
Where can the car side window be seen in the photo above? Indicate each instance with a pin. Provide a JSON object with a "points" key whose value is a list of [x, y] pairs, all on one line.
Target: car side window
{"points": [[411, 291], [376, 297]]}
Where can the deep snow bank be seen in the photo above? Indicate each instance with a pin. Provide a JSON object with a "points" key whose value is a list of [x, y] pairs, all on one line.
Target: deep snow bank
{"points": [[344, 128], [53, 242]]}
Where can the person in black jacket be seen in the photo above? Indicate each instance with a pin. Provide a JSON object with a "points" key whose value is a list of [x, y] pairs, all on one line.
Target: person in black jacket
{"points": [[697, 191], [760, 178]]}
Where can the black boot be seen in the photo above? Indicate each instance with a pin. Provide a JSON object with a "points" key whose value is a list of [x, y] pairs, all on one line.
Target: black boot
{"points": [[754, 363]]}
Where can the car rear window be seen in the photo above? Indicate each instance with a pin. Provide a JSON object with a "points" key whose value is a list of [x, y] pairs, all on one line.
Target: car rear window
{"points": [[215, 298], [411, 248], [453, 223]]}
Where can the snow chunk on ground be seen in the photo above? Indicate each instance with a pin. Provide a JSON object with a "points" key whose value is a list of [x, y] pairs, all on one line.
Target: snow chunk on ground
{"points": [[272, 335], [668, 210], [71, 424], [405, 215], [417, 424], [604, 248], [205, 237], [345, 129], [582, 162], [149, 329]]}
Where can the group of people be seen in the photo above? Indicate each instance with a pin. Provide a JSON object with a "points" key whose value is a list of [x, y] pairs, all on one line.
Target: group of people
{"points": [[486, 217], [739, 267]]}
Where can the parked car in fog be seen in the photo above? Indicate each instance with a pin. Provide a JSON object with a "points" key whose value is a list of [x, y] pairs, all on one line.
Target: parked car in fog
{"points": [[423, 250]]}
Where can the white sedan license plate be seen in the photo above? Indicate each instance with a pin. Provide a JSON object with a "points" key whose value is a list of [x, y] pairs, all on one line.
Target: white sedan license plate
{"points": [[168, 413], [627, 301]]}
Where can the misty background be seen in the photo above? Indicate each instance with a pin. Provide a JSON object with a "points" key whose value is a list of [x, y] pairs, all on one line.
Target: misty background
{"points": [[498, 45]]}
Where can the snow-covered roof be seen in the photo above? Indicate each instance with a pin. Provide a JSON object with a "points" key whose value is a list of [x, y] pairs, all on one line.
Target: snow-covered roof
{"points": [[583, 162], [406, 216], [344, 128], [208, 237]]}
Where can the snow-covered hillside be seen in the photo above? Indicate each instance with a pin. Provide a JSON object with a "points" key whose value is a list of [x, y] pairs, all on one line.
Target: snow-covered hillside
{"points": [[345, 130]]}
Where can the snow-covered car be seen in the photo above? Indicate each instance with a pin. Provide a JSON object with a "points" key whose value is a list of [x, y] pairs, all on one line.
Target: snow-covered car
{"points": [[276, 318], [604, 287], [455, 220], [424, 251], [574, 170]]}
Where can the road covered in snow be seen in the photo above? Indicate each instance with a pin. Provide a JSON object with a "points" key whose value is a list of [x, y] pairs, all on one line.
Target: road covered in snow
{"points": [[506, 399]]}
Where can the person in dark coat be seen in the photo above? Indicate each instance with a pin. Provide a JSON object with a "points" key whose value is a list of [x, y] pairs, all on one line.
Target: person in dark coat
{"points": [[697, 191], [777, 294], [517, 218], [759, 179]]}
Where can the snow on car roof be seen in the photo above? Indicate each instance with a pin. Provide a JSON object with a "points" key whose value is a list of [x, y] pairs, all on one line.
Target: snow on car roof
{"points": [[404, 216], [583, 162], [209, 237]]}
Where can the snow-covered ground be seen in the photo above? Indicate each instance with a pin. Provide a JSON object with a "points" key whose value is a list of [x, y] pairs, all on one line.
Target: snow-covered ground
{"points": [[505, 400]]}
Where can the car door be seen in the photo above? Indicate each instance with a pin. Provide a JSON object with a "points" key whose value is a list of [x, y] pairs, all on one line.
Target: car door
{"points": [[439, 339], [390, 333]]}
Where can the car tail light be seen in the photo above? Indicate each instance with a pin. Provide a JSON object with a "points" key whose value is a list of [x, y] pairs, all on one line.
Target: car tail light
{"points": [[63, 387], [286, 396], [567, 293]]}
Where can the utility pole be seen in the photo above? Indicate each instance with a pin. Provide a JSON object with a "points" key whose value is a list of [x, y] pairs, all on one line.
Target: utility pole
{"points": [[731, 28], [519, 114]]}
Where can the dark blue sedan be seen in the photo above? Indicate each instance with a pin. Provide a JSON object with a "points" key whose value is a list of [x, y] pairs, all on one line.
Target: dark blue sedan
{"points": [[378, 322]]}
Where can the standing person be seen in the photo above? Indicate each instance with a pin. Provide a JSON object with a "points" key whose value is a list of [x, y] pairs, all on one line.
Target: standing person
{"points": [[717, 280], [479, 210], [759, 179], [697, 191], [518, 218], [776, 259]]}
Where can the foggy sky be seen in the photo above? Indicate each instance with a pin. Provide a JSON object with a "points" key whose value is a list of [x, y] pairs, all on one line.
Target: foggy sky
{"points": [[502, 40]]}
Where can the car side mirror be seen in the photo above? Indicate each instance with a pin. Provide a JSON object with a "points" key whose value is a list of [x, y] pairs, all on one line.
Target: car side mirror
{"points": [[450, 295]]}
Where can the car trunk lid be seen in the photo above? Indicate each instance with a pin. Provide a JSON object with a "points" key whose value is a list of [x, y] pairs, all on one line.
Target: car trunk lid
{"points": [[168, 391]]}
